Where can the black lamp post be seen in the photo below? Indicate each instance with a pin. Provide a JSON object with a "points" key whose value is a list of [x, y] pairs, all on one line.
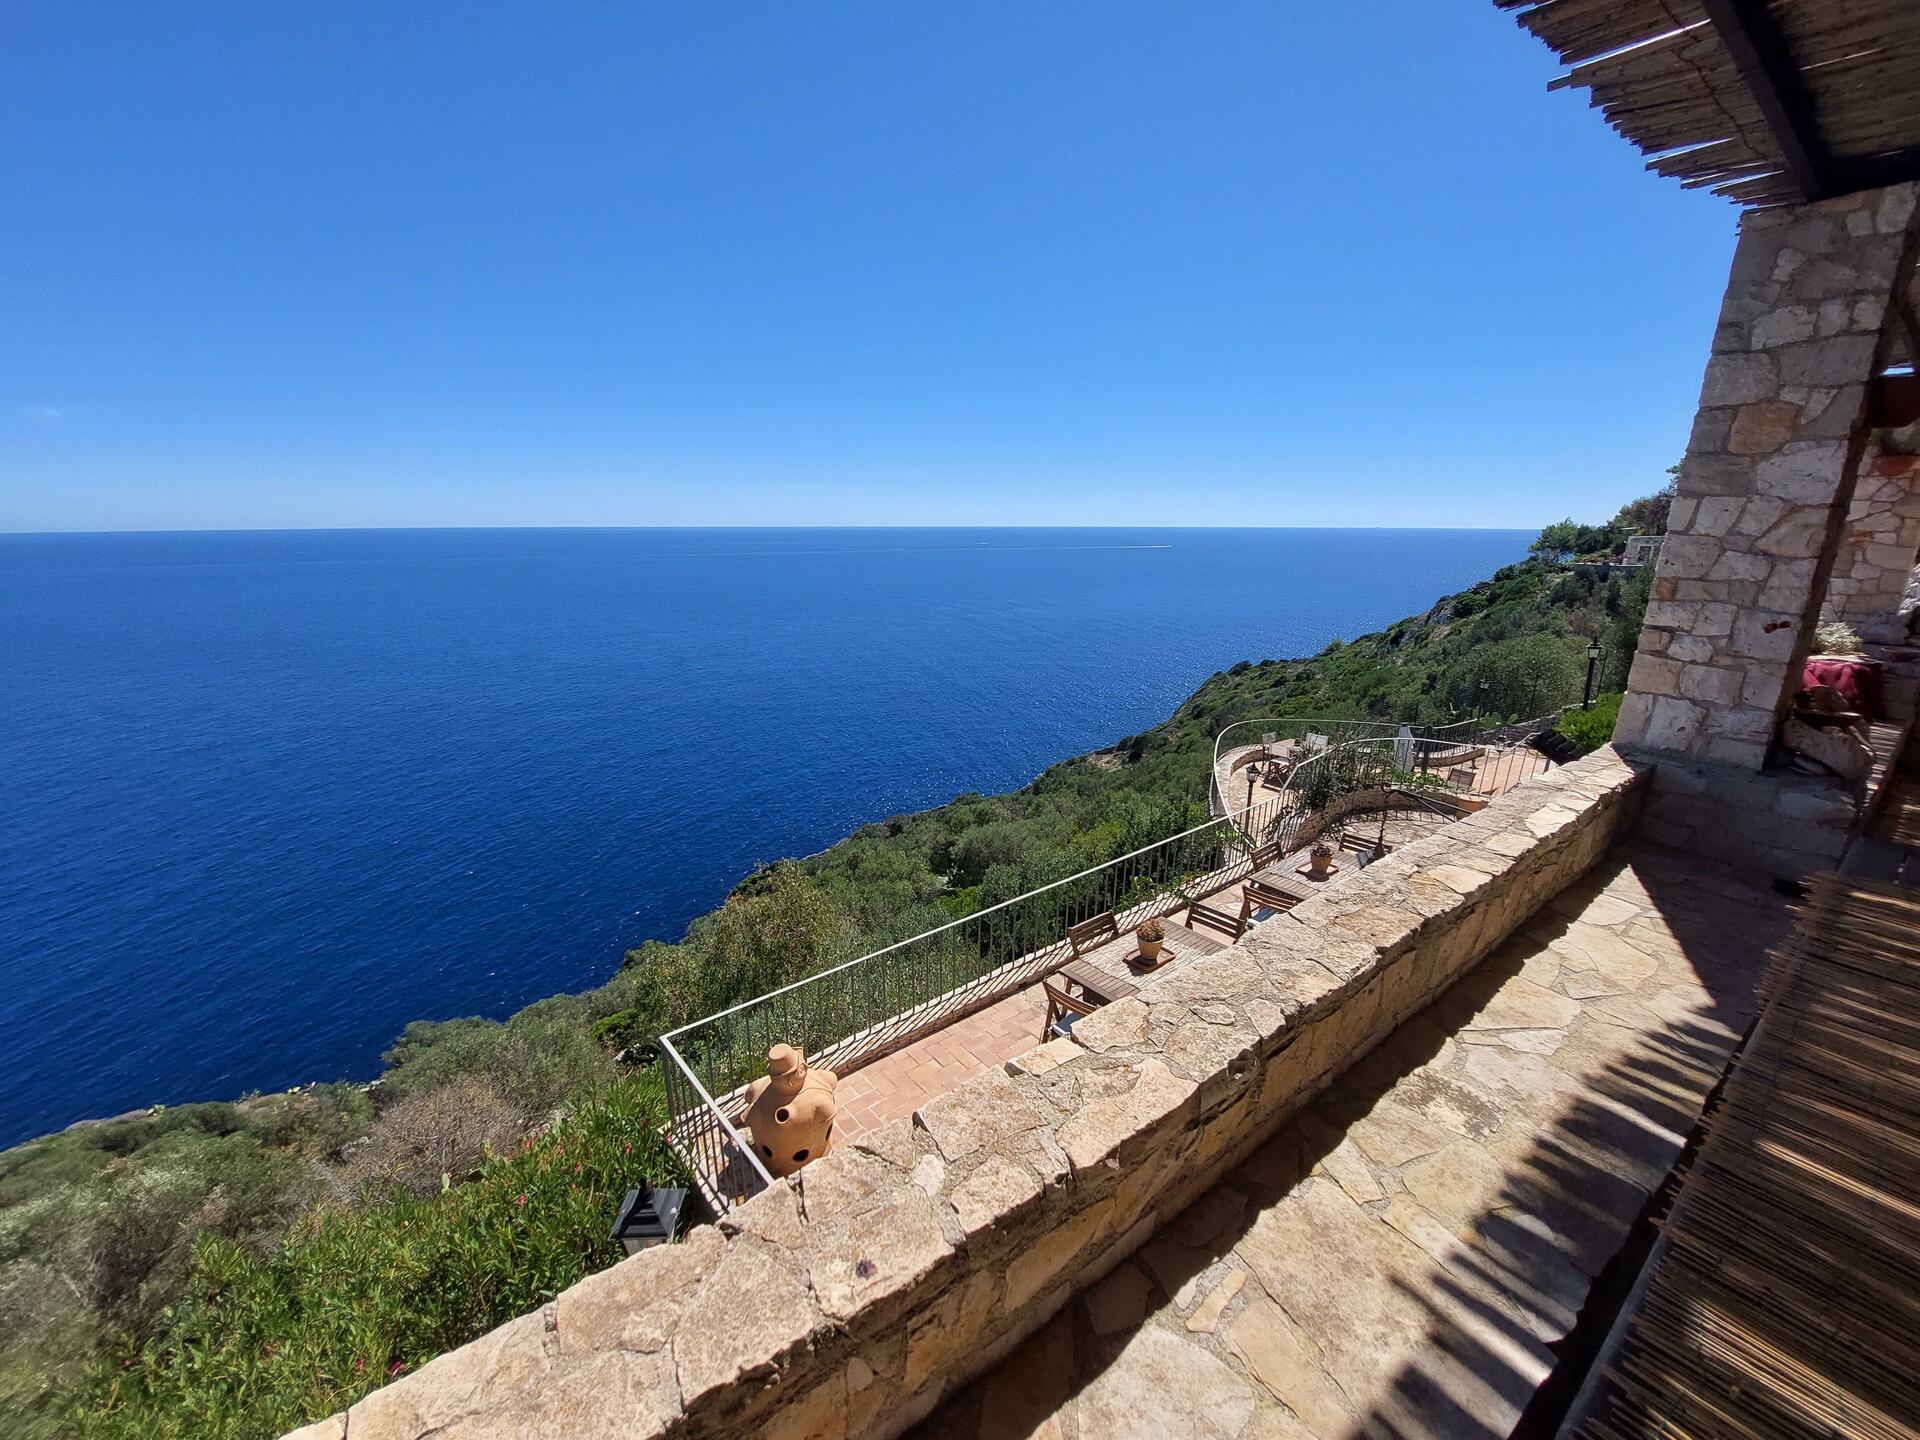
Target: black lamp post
{"points": [[1593, 659], [648, 1216], [1481, 714]]}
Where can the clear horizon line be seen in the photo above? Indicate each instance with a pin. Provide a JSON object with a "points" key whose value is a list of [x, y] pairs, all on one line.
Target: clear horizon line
{"points": [[418, 529]]}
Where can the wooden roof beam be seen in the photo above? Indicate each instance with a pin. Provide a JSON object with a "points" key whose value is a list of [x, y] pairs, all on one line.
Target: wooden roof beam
{"points": [[1766, 63], [1870, 172]]}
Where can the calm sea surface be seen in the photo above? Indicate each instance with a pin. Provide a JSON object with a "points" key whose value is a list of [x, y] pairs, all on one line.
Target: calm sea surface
{"points": [[266, 797]]}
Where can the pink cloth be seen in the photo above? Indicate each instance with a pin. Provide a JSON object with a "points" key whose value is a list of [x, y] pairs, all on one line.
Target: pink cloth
{"points": [[1856, 679]]}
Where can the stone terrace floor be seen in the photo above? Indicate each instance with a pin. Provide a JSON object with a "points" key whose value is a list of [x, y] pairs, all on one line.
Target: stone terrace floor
{"points": [[896, 1085], [1404, 1258]]}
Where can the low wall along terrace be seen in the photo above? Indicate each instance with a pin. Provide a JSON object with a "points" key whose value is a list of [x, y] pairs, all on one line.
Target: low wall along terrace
{"points": [[847, 1302]]}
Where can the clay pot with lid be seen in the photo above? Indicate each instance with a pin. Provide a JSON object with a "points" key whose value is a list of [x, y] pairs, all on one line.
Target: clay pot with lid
{"points": [[790, 1113]]}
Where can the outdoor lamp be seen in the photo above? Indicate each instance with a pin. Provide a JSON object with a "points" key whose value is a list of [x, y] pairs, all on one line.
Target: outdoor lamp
{"points": [[1593, 650], [648, 1216]]}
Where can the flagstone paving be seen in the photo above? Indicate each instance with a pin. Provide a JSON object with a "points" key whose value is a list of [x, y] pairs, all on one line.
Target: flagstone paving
{"points": [[1405, 1256]]}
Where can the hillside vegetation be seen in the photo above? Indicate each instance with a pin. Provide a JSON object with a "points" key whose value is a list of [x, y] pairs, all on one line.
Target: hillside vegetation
{"points": [[229, 1270]]}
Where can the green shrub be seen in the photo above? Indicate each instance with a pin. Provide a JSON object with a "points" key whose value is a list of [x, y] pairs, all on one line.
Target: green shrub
{"points": [[538, 1059], [1591, 728], [260, 1343], [621, 1029]]}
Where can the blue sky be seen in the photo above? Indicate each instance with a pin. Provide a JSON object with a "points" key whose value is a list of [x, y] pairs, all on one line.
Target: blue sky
{"points": [[994, 263]]}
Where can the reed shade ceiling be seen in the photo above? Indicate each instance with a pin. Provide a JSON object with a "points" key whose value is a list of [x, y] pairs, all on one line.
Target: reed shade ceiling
{"points": [[1765, 101], [1784, 1296]]}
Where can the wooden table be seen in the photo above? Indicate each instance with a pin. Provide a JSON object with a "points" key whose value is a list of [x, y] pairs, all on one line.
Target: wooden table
{"points": [[1096, 984], [1113, 971], [1284, 875]]}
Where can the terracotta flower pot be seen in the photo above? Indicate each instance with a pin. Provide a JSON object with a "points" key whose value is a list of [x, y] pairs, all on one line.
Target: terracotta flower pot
{"points": [[1320, 857], [1150, 949]]}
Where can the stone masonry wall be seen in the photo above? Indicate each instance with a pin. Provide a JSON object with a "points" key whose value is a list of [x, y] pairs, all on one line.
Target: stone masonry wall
{"points": [[1878, 546], [845, 1303], [1768, 475]]}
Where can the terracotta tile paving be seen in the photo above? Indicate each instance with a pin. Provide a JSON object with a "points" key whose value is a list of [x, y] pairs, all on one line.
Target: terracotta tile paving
{"points": [[894, 1086], [1402, 1259]]}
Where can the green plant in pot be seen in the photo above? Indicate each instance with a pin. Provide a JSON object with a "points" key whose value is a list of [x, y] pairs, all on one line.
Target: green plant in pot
{"points": [[1152, 934]]}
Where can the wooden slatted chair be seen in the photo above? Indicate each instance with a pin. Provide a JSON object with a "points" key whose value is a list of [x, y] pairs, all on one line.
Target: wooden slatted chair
{"points": [[1092, 934], [1062, 1010], [1266, 856], [1215, 917], [1256, 896], [1365, 849]]}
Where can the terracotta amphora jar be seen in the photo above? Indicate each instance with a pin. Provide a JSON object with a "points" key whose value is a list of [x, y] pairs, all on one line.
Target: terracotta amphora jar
{"points": [[790, 1113]]}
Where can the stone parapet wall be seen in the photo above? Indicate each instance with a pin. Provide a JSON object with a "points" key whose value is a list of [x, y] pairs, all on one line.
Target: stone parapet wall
{"points": [[1354, 802], [1768, 476], [847, 1302]]}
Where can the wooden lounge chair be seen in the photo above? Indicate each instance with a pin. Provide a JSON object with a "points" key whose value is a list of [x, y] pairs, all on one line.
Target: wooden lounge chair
{"points": [[1092, 934], [1062, 1010]]}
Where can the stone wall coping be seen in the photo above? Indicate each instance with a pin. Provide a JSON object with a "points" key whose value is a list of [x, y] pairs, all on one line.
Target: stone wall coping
{"points": [[848, 1300]]}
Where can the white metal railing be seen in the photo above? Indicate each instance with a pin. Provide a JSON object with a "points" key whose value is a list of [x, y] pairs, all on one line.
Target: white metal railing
{"points": [[1275, 738]]}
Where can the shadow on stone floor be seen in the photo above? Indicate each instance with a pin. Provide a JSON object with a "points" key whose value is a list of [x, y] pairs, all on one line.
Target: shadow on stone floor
{"points": [[1500, 1308], [1408, 1255]]}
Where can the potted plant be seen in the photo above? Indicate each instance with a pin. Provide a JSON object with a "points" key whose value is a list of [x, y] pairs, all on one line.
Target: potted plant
{"points": [[1320, 858], [1151, 935]]}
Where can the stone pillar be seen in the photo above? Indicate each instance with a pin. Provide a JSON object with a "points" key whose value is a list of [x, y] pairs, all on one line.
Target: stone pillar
{"points": [[1878, 546], [1768, 476]]}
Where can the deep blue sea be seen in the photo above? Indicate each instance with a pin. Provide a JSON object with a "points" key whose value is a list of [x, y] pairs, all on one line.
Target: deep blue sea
{"points": [[267, 796]]}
